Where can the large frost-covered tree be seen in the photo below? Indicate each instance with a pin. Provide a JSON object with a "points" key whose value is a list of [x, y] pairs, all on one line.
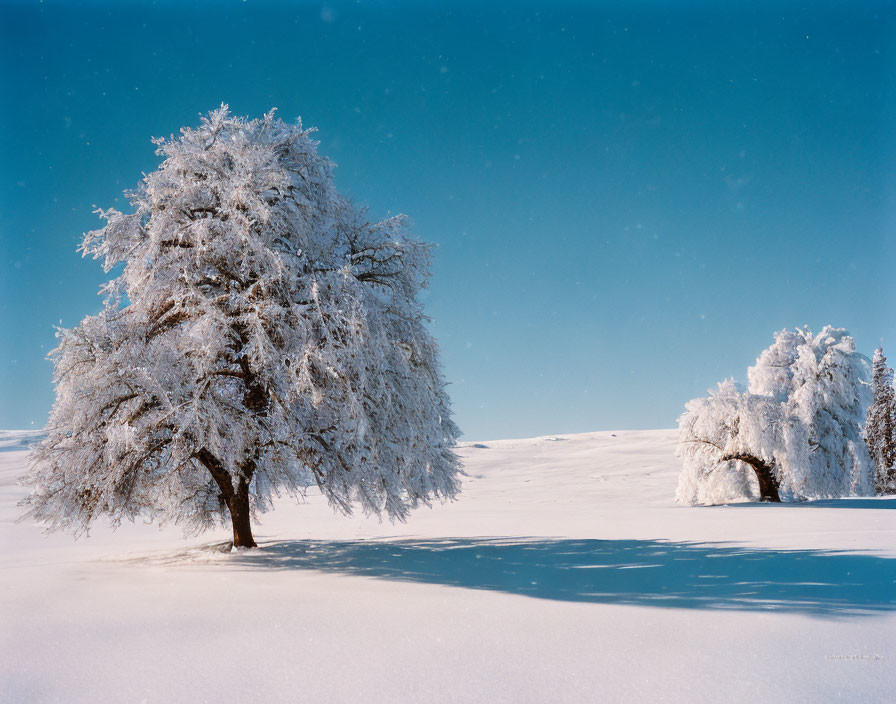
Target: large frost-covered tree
{"points": [[795, 433], [880, 425], [263, 336]]}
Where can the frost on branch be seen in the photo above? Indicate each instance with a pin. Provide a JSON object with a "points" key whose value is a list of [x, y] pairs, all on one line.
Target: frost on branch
{"points": [[272, 340], [795, 433]]}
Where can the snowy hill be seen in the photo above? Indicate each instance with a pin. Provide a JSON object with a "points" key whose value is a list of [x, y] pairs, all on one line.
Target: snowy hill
{"points": [[565, 572]]}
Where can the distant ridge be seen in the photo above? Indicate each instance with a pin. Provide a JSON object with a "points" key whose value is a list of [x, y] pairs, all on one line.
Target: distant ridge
{"points": [[19, 440]]}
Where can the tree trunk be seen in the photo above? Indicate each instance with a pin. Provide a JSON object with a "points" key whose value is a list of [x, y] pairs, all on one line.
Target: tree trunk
{"points": [[768, 483], [238, 503]]}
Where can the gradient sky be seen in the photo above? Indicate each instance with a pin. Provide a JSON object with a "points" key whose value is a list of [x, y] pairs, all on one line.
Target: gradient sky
{"points": [[629, 198]]}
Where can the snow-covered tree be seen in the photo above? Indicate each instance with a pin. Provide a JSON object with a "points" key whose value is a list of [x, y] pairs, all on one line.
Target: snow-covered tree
{"points": [[795, 433], [880, 425], [724, 439], [264, 336]]}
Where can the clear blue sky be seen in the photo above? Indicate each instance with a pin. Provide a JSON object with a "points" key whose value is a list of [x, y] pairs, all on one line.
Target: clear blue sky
{"points": [[629, 198]]}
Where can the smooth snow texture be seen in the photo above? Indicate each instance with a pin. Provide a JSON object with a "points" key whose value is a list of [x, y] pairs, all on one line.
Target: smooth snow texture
{"points": [[565, 573]]}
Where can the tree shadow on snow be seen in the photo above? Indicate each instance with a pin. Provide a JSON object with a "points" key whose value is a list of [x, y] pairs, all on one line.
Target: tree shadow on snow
{"points": [[635, 572], [878, 503]]}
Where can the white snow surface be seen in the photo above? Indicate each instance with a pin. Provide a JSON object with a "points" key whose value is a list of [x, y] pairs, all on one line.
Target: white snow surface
{"points": [[565, 572]]}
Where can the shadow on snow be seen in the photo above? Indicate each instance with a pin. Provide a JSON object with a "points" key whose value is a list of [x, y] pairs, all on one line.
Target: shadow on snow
{"points": [[878, 503], [635, 572]]}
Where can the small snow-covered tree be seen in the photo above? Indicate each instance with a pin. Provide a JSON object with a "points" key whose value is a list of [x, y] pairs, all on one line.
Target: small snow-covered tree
{"points": [[264, 336], [798, 426], [724, 439], [880, 425]]}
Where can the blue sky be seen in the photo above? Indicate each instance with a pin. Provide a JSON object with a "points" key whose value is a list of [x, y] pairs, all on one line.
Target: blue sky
{"points": [[629, 198]]}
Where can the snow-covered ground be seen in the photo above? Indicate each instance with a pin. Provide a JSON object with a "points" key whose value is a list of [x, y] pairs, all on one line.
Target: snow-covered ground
{"points": [[565, 572]]}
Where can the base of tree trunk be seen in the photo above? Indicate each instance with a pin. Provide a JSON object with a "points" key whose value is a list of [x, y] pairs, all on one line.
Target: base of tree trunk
{"points": [[240, 517], [237, 501]]}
